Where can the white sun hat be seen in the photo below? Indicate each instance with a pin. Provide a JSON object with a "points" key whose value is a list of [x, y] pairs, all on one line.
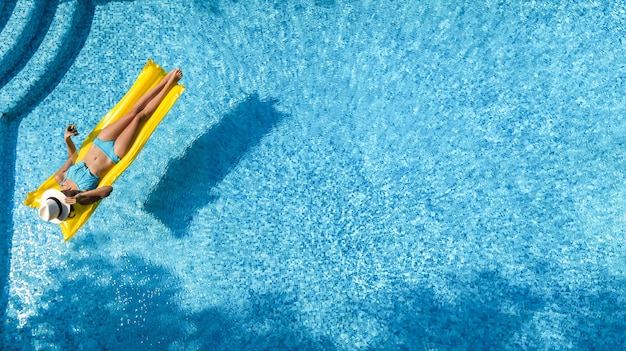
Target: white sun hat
{"points": [[52, 206]]}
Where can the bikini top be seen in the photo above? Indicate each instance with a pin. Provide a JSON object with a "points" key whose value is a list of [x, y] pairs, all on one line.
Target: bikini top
{"points": [[79, 173]]}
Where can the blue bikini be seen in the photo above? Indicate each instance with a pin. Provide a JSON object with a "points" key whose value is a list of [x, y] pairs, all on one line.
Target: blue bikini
{"points": [[107, 146], [79, 173]]}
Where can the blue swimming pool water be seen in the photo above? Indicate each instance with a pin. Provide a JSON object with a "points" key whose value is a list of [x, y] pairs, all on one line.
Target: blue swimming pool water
{"points": [[339, 175]]}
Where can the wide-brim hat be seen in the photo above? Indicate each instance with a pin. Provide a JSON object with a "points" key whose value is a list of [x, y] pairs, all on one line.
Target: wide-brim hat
{"points": [[52, 206]]}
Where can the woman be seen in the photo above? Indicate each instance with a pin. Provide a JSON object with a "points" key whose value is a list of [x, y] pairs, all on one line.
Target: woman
{"points": [[79, 181]]}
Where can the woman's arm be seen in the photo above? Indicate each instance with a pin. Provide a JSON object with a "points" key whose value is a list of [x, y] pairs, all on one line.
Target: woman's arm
{"points": [[71, 151], [60, 174], [90, 196], [70, 131]]}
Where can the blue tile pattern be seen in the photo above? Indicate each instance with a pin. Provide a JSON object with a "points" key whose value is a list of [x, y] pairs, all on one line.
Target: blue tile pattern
{"points": [[339, 175]]}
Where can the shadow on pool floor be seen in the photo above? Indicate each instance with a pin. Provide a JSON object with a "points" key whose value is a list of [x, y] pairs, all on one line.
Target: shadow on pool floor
{"points": [[128, 303], [207, 161]]}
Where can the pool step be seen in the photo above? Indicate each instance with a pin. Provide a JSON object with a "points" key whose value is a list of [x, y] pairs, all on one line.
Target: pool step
{"points": [[15, 27], [22, 35], [6, 9], [28, 81]]}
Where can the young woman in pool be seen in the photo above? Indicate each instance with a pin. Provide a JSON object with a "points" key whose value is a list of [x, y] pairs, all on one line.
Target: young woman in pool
{"points": [[79, 181]]}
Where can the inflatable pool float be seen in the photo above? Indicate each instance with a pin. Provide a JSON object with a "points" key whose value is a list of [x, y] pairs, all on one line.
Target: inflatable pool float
{"points": [[149, 76]]}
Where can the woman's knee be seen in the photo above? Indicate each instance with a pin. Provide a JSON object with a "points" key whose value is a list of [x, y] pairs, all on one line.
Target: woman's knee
{"points": [[137, 115], [141, 115]]}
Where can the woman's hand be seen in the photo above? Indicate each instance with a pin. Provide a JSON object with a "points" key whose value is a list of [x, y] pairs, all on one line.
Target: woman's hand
{"points": [[70, 131], [70, 200], [90, 196]]}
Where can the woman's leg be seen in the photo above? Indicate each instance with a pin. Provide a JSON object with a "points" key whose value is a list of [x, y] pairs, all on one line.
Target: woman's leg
{"points": [[127, 135], [112, 131]]}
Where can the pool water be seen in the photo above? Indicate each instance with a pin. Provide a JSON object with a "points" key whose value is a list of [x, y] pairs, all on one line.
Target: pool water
{"points": [[338, 175]]}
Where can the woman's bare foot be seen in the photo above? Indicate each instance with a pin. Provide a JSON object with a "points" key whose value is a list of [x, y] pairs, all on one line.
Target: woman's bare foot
{"points": [[172, 78], [176, 75]]}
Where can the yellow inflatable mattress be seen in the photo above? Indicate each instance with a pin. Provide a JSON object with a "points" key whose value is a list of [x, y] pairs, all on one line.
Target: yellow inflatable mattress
{"points": [[149, 76]]}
